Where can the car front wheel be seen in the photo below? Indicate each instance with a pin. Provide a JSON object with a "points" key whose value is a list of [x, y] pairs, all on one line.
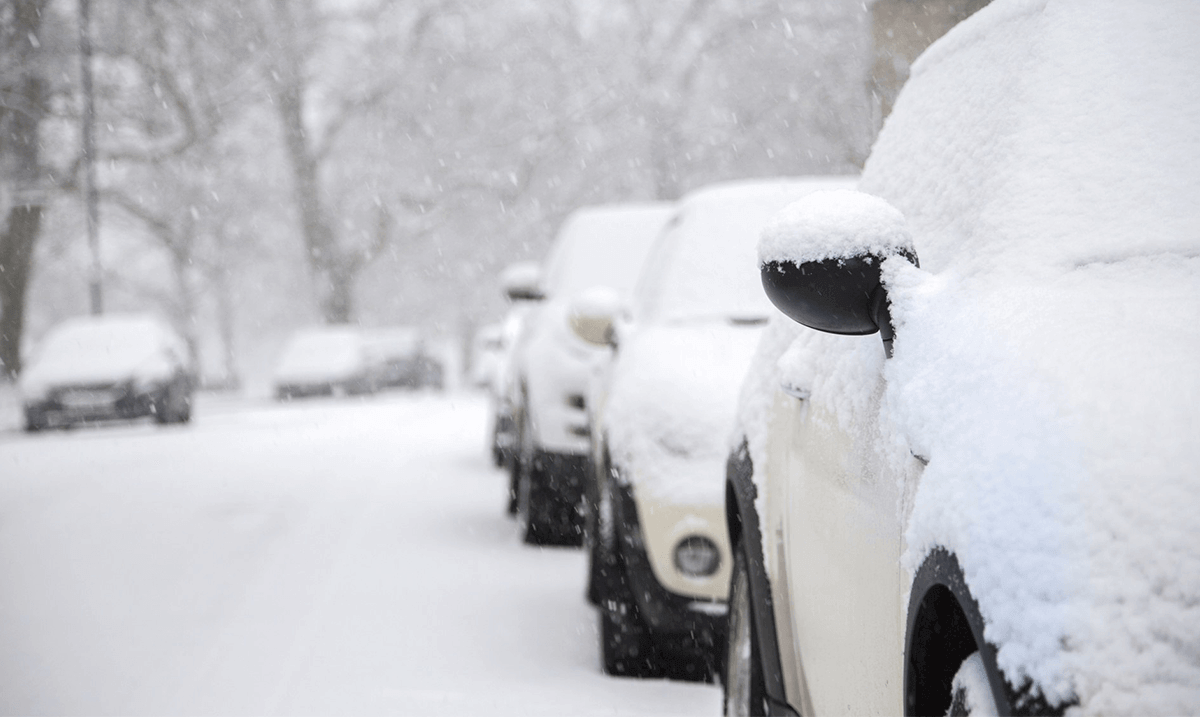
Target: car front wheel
{"points": [[744, 691]]}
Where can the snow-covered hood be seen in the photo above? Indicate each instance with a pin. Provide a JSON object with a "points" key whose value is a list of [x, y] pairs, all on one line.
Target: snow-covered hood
{"points": [[673, 398]]}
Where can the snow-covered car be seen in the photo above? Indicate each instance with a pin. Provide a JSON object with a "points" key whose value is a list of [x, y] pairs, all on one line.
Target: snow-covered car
{"points": [[1004, 514], [326, 361], [104, 367], [503, 433], [487, 350], [596, 246], [402, 358], [661, 414]]}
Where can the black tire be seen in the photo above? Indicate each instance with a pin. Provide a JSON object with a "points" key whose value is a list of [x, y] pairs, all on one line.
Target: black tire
{"points": [[626, 646], [35, 420], [745, 692], [534, 529], [174, 406], [534, 508]]}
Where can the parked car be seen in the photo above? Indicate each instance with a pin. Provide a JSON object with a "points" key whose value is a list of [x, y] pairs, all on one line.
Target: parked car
{"points": [[92, 368], [487, 348], [402, 359], [658, 553], [503, 434], [326, 361], [1004, 515], [596, 246]]}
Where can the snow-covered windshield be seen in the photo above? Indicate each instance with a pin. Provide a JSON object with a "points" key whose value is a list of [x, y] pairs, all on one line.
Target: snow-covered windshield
{"points": [[706, 263], [603, 246]]}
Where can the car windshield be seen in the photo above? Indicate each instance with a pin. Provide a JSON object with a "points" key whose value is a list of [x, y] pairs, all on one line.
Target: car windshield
{"points": [[603, 247], [706, 265]]}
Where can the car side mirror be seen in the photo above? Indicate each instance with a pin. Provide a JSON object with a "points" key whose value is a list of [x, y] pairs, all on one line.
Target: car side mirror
{"points": [[821, 262], [523, 282], [593, 314]]}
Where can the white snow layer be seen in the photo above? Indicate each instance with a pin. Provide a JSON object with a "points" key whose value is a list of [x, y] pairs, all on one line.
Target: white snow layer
{"points": [[677, 393], [835, 224], [1046, 158], [97, 349], [329, 557]]}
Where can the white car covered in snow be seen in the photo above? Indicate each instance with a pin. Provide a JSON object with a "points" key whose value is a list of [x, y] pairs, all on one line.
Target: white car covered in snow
{"points": [[326, 361], [1005, 514], [104, 367], [601, 246], [659, 558]]}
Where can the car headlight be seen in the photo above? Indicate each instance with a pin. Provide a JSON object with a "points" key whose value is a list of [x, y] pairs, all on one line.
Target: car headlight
{"points": [[697, 557]]}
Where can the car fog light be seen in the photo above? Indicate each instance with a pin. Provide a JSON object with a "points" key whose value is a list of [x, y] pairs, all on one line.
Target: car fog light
{"points": [[697, 556]]}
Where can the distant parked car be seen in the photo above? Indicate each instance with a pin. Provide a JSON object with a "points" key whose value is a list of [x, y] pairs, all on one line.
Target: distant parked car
{"points": [[402, 359], [326, 361], [487, 347], [659, 556], [596, 246], [504, 431], [996, 508], [105, 367]]}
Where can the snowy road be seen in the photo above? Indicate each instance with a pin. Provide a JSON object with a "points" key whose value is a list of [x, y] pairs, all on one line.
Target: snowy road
{"points": [[320, 557]]}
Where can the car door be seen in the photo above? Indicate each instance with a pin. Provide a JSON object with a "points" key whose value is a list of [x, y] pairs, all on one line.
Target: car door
{"points": [[834, 541]]}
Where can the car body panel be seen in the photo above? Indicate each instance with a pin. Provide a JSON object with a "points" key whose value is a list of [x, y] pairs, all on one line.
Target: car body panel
{"points": [[1035, 422], [596, 246]]}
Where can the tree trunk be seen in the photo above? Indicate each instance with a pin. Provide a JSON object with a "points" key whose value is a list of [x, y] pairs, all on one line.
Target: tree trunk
{"points": [[22, 227], [319, 241], [20, 119]]}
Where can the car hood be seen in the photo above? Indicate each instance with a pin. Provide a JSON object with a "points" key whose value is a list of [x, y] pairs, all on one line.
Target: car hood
{"points": [[672, 402]]}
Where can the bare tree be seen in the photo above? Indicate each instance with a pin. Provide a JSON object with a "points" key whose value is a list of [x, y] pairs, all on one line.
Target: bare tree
{"points": [[23, 195]]}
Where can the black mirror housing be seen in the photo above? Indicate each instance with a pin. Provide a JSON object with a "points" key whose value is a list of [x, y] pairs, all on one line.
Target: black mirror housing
{"points": [[522, 282], [838, 296], [821, 261]]}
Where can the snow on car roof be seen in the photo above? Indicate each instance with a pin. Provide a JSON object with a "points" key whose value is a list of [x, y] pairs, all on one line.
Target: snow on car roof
{"points": [[603, 246]]}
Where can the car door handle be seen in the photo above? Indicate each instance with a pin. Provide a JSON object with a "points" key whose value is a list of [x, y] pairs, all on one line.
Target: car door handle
{"points": [[795, 391]]}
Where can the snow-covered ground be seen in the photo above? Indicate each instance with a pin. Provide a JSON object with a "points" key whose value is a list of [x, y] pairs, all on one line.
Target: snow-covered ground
{"points": [[319, 557]]}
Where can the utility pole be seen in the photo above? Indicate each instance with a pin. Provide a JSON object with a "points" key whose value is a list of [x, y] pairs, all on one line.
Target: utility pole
{"points": [[90, 195]]}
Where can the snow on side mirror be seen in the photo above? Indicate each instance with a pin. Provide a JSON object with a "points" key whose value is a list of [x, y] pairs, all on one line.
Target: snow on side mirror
{"points": [[592, 314], [821, 258], [522, 282]]}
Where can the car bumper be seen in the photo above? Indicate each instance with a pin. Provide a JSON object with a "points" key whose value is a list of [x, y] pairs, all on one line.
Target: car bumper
{"points": [[678, 621], [73, 404]]}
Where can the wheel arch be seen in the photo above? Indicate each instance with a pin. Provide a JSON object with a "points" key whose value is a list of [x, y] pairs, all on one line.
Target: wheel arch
{"points": [[944, 627], [745, 533]]}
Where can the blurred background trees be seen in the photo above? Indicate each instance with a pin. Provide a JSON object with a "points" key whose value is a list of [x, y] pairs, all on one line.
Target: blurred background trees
{"points": [[270, 163]]}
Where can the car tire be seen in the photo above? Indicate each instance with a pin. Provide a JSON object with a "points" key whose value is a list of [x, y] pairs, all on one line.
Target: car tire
{"points": [[35, 420], [626, 646], [533, 528], [745, 692]]}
